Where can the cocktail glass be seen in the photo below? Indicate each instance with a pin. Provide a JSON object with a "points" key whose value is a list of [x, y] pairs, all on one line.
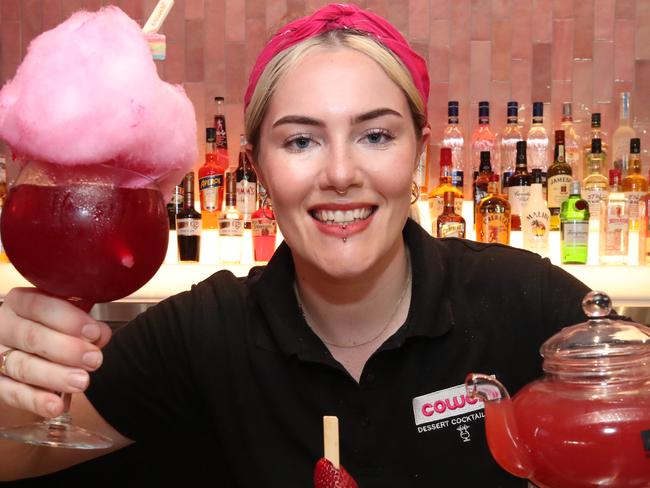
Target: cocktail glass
{"points": [[88, 234]]}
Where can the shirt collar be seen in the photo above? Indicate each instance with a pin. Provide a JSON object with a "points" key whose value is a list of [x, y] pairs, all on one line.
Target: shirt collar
{"points": [[429, 312]]}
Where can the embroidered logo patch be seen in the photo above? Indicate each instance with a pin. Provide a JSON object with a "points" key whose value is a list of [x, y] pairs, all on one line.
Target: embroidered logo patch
{"points": [[441, 409]]}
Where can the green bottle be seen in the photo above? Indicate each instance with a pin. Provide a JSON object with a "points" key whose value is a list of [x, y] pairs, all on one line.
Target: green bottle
{"points": [[574, 227]]}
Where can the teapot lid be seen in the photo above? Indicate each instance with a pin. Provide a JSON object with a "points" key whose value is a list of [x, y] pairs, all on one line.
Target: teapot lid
{"points": [[600, 349]]}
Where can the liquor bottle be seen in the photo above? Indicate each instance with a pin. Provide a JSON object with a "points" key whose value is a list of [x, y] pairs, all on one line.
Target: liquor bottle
{"points": [[574, 227], [188, 224], [537, 141], [519, 186], [537, 176], [595, 186], [175, 205], [436, 197], [493, 216], [453, 139], [449, 223], [572, 149], [615, 180], [246, 184], [644, 229], [634, 184], [483, 139], [596, 133], [211, 181], [559, 180], [231, 225], [221, 142], [507, 143], [622, 136], [535, 222], [264, 230], [3, 197], [482, 181], [421, 175], [614, 229]]}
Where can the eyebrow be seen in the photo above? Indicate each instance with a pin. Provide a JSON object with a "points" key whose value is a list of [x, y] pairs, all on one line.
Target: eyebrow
{"points": [[304, 120]]}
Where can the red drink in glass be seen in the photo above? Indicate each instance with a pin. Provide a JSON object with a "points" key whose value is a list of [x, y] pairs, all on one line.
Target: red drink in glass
{"points": [[93, 242], [88, 234]]}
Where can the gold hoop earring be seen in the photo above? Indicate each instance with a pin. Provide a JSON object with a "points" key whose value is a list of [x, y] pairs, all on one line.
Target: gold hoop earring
{"points": [[415, 192]]}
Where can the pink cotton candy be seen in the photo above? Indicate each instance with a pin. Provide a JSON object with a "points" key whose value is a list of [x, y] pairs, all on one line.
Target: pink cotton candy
{"points": [[88, 92]]}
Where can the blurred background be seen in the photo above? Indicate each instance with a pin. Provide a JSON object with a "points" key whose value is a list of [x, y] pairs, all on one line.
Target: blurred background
{"points": [[582, 51]]}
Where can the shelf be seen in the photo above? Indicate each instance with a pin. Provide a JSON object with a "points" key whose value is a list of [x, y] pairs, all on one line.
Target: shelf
{"points": [[628, 286]]}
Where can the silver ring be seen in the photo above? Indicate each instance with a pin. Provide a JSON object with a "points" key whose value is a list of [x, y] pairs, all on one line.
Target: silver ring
{"points": [[3, 361]]}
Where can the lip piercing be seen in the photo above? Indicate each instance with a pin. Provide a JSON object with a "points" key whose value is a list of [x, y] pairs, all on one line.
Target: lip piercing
{"points": [[345, 239]]}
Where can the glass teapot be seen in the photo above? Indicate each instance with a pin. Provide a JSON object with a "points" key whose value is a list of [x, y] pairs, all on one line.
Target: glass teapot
{"points": [[586, 422]]}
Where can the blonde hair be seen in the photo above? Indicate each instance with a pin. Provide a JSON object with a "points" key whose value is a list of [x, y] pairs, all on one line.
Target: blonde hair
{"points": [[350, 38]]}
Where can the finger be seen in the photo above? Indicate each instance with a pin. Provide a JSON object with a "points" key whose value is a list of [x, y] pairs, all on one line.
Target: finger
{"points": [[34, 338], [55, 313], [34, 371], [24, 397]]}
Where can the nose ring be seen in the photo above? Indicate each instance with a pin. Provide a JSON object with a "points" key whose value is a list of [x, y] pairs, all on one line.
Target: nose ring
{"points": [[339, 192]]}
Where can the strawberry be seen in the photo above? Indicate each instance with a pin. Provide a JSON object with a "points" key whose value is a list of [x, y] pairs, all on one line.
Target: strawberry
{"points": [[327, 476]]}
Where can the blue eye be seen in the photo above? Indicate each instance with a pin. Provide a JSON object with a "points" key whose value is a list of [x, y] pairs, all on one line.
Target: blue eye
{"points": [[378, 136], [298, 143]]}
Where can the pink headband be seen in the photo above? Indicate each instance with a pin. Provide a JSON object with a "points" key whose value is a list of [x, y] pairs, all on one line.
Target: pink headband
{"points": [[342, 16]]}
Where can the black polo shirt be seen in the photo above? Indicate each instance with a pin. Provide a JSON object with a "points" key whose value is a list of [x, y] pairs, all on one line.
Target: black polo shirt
{"points": [[232, 362]]}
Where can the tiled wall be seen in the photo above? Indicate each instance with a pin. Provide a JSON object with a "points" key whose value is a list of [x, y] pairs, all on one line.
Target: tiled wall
{"points": [[585, 51]]}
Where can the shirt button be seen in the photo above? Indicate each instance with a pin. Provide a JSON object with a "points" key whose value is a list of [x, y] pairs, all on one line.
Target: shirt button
{"points": [[370, 378], [365, 422]]}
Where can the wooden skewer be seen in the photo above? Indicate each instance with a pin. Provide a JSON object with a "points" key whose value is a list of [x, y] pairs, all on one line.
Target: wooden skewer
{"points": [[331, 439]]}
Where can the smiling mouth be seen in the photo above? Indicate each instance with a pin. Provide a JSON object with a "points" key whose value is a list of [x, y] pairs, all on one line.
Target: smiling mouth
{"points": [[342, 217]]}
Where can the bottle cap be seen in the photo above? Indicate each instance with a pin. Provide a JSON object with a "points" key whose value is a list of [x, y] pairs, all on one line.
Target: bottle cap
{"points": [[575, 187], [596, 146], [485, 161], [614, 177], [635, 145], [595, 119], [219, 99], [483, 109], [521, 147], [559, 137], [452, 108], [538, 109], [566, 109], [445, 156], [537, 175], [513, 107]]}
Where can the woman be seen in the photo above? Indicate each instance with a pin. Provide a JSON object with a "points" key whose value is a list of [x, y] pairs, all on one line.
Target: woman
{"points": [[359, 314]]}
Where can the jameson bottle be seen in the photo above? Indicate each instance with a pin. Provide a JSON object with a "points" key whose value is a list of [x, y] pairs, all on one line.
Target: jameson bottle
{"points": [[559, 180], [519, 186], [188, 224], [574, 227], [449, 223]]}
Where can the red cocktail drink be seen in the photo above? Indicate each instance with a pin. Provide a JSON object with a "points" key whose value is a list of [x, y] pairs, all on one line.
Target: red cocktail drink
{"points": [[88, 234], [574, 442], [85, 241]]}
